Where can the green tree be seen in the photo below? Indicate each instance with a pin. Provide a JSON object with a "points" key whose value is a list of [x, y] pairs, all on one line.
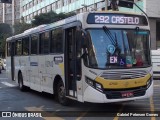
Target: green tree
{"points": [[20, 27], [50, 17], [5, 31], [3, 38], [44, 18]]}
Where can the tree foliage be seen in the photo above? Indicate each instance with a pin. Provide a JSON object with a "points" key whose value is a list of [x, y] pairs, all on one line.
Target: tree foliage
{"points": [[3, 38], [5, 31], [50, 17], [20, 27]]}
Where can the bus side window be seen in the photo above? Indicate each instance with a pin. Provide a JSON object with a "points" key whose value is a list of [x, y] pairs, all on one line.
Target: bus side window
{"points": [[34, 44], [44, 43], [8, 48], [18, 47], [56, 44], [25, 46]]}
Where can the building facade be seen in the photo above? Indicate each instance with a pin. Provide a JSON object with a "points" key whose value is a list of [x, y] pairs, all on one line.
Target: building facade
{"points": [[153, 11], [31, 8], [10, 13]]}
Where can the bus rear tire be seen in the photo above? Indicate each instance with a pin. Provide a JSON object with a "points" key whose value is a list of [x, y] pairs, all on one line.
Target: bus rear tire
{"points": [[61, 97], [20, 82]]}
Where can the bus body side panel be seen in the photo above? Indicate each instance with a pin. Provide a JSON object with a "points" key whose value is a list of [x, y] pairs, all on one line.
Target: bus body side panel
{"points": [[41, 71], [48, 74], [54, 66], [17, 60], [34, 73], [8, 68], [25, 69]]}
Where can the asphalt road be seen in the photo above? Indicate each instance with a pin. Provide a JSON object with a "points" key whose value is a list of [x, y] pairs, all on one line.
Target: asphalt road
{"points": [[32, 103]]}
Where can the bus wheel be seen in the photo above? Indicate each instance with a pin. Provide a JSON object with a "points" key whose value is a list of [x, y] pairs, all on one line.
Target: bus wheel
{"points": [[20, 83], [61, 94]]}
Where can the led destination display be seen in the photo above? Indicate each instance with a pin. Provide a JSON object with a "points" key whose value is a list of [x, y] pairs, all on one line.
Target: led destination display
{"points": [[125, 19]]}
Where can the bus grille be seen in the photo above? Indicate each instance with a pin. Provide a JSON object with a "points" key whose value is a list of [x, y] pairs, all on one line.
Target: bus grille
{"points": [[118, 75], [117, 94]]}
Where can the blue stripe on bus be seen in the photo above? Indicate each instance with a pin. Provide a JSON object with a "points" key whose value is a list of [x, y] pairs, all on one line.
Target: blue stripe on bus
{"points": [[33, 63]]}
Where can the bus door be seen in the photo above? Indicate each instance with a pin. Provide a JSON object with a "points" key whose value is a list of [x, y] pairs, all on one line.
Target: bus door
{"points": [[72, 65], [12, 60]]}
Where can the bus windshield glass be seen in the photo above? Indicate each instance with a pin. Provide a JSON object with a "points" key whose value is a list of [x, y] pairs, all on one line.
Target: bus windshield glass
{"points": [[117, 48]]}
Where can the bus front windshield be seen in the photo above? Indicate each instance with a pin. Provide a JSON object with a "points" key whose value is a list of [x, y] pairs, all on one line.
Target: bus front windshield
{"points": [[117, 48]]}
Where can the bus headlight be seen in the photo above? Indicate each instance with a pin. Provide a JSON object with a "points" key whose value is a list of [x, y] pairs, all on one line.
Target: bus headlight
{"points": [[94, 84], [149, 82]]}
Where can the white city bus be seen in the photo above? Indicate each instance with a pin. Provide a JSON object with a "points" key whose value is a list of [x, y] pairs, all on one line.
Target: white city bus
{"points": [[96, 57]]}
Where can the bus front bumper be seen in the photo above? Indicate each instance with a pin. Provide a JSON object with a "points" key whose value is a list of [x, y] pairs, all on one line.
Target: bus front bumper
{"points": [[94, 96]]}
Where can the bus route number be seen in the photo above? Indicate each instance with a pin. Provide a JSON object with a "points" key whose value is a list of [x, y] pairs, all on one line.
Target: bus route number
{"points": [[117, 19], [101, 19]]}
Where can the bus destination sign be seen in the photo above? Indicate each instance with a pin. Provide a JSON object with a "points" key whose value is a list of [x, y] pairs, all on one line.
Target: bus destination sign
{"points": [[112, 18]]}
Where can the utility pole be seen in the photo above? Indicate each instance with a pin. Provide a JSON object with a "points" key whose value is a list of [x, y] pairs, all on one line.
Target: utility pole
{"points": [[106, 4], [13, 13], [13, 16], [4, 9]]}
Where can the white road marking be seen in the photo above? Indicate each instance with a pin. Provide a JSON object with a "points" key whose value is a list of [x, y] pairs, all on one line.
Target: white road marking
{"points": [[8, 84]]}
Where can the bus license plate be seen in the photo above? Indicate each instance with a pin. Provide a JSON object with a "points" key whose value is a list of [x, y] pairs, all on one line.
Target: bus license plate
{"points": [[127, 94]]}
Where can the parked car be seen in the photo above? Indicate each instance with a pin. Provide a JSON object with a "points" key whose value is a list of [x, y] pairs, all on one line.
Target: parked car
{"points": [[4, 64], [1, 64]]}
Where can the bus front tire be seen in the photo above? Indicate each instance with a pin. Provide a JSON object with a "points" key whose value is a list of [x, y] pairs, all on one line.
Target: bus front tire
{"points": [[20, 82], [62, 99]]}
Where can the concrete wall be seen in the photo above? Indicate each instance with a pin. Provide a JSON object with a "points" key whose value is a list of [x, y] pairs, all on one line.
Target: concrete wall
{"points": [[153, 8], [153, 33]]}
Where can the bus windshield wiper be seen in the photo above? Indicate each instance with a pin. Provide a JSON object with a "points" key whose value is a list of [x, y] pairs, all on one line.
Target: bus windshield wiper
{"points": [[112, 38], [109, 34]]}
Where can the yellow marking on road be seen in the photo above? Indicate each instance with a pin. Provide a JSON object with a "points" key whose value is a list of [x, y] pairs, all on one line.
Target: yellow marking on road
{"points": [[40, 109], [152, 107], [82, 115], [120, 110]]}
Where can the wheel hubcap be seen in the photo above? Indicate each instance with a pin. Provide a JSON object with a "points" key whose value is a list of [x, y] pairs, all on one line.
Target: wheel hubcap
{"points": [[61, 92]]}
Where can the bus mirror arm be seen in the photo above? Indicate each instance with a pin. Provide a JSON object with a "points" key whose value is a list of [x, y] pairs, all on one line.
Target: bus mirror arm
{"points": [[84, 32], [84, 52]]}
